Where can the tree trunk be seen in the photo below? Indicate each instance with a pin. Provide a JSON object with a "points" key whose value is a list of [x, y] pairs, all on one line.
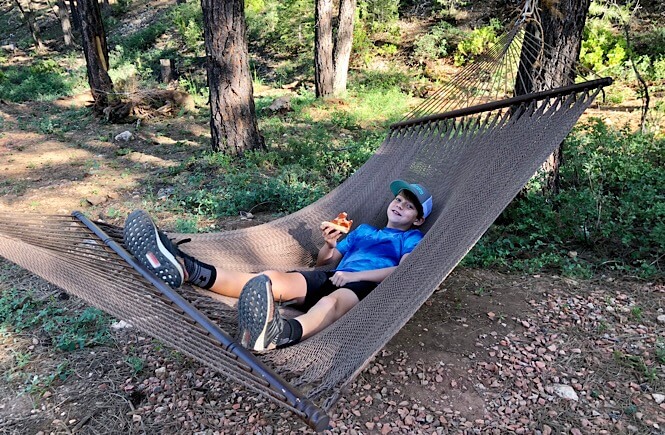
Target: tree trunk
{"points": [[324, 68], [233, 124], [28, 14], [343, 44], [332, 53], [93, 38], [65, 23], [563, 28], [76, 18]]}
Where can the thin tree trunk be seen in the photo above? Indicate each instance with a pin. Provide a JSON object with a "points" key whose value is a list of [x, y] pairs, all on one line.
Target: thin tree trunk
{"points": [[95, 49], [324, 68], [343, 44], [233, 124], [76, 18], [65, 23], [28, 14]]}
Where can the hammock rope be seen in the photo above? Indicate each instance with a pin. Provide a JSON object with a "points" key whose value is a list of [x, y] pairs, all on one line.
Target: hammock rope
{"points": [[474, 160]]}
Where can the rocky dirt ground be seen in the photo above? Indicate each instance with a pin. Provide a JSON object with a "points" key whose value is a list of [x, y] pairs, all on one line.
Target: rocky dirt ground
{"points": [[488, 353]]}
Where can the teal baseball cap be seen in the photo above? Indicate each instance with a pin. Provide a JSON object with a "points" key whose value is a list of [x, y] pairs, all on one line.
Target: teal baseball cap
{"points": [[418, 190]]}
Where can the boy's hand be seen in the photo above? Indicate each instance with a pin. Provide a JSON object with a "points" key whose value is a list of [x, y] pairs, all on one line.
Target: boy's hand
{"points": [[341, 278], [330, 234]]}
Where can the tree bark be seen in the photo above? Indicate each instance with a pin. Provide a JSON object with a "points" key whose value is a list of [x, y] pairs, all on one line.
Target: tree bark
{"points": [[65, 23], [563, 28], [343, 44], [95, 49], [332, 53], [28, 14], [76, 18], [233, 124], [324, 68]]}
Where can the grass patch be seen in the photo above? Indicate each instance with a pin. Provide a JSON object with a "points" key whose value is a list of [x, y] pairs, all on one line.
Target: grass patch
{"points": [[45, 80], [67, 330]]}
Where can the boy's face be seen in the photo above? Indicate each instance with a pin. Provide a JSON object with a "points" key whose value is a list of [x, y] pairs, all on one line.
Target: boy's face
{"points": [[403, 213]]}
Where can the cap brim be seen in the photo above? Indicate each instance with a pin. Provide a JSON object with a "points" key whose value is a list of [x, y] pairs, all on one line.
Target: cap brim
{"points": [[398, 185]]}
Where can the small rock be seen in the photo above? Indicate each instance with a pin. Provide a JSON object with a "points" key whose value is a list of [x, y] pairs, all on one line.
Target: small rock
{"points": [[124, 136], [661, 319], [120, 325], [165, 192], [97, 199], [659, 398], [280, 105], [565, 391], [160, 372]]}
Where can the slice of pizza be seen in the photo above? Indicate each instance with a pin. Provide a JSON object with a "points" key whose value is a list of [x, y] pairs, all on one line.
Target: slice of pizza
{"points": [[340, 223]]}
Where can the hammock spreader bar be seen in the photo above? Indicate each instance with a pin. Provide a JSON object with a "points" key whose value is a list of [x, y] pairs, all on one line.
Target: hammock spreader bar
{"points": [[316, 418], [535, 96]]}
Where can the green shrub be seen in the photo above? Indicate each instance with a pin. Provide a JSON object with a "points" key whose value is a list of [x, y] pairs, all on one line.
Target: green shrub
{"points": [[610, 213], [435, 43], [603, 48], [301, 166], [477, 42], [659, 69], [262, 17], [378, 15], [187, 19]]}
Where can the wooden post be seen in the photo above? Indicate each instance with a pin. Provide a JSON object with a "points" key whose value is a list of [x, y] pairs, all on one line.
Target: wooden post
{"points": [[168, 71]]}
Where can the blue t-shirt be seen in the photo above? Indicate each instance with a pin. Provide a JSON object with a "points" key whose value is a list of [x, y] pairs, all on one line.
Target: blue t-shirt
{"points": [[369, 248]]}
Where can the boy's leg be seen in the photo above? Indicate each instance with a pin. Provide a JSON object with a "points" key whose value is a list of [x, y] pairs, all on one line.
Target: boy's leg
{"points": [[153, 249], [327, 311], [261, 326], [285, 285]]}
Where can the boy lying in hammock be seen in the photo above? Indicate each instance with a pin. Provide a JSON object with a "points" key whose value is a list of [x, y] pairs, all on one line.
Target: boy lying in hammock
{"points": [[364, 258]]}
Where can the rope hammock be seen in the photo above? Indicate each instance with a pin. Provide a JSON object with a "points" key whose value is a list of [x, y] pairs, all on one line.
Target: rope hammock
{"points": [[474, 161]]}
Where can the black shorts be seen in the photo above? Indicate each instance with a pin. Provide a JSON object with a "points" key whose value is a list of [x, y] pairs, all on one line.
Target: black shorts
{"points": [[319, 285]]}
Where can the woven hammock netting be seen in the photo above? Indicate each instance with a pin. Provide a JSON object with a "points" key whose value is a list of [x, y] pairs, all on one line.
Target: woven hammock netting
{"points": [[473, 164]]}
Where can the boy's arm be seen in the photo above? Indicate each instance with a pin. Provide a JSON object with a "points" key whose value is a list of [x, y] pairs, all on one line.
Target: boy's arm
{"points": [[328, 252], [327, 255], [341, 278]]}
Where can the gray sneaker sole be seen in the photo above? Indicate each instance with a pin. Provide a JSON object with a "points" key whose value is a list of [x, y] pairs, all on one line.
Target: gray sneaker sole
{"points": [[142, 241], [255, 310]]}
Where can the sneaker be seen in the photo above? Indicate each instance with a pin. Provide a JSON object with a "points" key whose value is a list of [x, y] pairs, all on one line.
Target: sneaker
{"points": [[152, 248], [260, 324]]}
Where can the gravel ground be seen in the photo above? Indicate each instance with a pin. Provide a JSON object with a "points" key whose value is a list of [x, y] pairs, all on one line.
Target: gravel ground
{"points": [[488, 353]]}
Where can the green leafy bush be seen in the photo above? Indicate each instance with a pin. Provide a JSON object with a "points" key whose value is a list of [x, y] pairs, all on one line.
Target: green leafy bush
{"points": [[379, 15], [187, 19], [435, 43], [610, 213], [603, 48], [477, 42]]}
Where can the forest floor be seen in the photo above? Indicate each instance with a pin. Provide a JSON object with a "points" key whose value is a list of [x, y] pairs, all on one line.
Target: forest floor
{"points": [[487, 353]]}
